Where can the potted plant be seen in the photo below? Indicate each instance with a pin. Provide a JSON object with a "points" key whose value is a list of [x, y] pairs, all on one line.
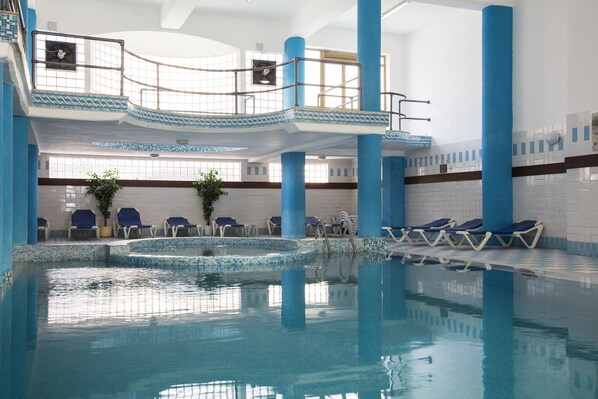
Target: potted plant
{"points": [[209, 188], [103, 188]]}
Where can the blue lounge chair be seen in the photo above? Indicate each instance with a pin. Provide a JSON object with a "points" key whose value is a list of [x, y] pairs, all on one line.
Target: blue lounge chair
{"points": [[437, 225], [505, 236], [433, 237], [273, 222], [224, 222], [44, 226], [83, 219], [175, 223], [129, 218], [312, 223]]}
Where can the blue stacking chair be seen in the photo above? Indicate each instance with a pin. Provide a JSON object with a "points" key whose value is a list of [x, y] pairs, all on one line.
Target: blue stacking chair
{"points": [[83, 219], [175, 223], [129, 218]]}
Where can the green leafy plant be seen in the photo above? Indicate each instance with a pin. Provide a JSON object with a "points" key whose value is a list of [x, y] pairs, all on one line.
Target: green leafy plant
{"points": [[209, 188], [103, 188]]}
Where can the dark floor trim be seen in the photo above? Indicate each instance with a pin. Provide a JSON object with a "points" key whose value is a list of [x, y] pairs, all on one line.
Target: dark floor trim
{"points": [[537, 170], [45, 181], [581, 161], [445, 177]]}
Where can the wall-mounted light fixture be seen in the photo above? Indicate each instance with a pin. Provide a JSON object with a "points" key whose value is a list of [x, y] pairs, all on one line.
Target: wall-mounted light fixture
{"points": [[551, 138], [154, 155]]}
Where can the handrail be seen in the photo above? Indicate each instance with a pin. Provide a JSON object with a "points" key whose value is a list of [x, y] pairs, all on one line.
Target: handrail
{"points": [[152, 80], [402, 116]]}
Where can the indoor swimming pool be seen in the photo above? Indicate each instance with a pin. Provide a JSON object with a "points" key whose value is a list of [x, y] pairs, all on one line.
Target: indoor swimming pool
{"points": [[337, 327]]}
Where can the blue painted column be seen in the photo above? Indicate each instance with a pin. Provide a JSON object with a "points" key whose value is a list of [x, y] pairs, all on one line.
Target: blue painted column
{"points": [[32, 194], [369, 147], [7, 177], [293, 195], [369, 312], [497, 116], [31, 26], [393, 191], [20, 179], [292, 312], [293, 47]]}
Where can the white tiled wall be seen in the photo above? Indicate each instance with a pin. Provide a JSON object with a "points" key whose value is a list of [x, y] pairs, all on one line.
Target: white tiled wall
{"points": [[252, 206], [461, 200], [459, 157]]}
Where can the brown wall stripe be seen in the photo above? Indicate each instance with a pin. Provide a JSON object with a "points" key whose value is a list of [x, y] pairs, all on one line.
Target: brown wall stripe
{"points": [[44, 181]]}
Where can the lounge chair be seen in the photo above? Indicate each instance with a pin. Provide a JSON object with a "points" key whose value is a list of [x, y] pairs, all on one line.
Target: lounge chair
{"points": [[433, 237], [83, 219], [44, 226], [348, 223], [312, 223], [129, 218], [479, 238], [273, 222], [224, 222], [175, 223], [437, 224]]}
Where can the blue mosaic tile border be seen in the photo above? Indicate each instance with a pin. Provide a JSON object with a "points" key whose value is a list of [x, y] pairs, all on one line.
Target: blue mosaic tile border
{"points": [[129, 253], [262, 120], [51, 253], [396, 136], [9, 27], [375, 245], [582, 248], [88, 102]]}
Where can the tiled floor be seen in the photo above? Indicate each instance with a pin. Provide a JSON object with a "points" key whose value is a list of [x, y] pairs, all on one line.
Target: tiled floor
{"points": [[545, 262]]}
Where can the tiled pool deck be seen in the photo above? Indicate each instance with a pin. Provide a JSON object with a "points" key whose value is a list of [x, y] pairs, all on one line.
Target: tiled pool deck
{"points": [[546, 262], [543, 262]]}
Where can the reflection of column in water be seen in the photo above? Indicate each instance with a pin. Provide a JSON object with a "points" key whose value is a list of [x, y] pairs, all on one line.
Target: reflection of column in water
{"points": [[369, 305], [293, 298], [498, 335], [19, 336], [31, 310], [5, 343], [393, 288]]}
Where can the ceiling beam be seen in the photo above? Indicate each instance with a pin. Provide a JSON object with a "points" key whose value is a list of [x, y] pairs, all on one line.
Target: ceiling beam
{"points": [[467, 4], [174, 13], [313, 15]]}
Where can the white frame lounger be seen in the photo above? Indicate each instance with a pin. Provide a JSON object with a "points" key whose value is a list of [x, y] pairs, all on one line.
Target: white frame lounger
{"points": [[447, 236], [407, 229], [478, 245]]}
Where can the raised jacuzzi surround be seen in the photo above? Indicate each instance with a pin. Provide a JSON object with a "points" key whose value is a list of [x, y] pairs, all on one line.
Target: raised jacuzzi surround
{"points": [[137, 253]]}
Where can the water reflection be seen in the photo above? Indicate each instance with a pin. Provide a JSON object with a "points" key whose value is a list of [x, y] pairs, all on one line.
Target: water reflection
{"points": [[341, 327]]}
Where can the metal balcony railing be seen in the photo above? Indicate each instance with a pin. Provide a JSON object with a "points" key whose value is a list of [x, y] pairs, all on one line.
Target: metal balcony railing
{"points": [[399, 99]]}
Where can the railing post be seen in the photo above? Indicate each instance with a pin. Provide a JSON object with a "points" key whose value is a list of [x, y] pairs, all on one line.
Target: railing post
{"points": [[33, 58], [157, 86], [400, 119], [296, 65], [236, 94], [391, 109], [122, 68]]}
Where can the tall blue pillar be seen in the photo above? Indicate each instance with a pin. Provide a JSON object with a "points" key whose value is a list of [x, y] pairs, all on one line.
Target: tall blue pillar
{"points": [[294, 47], [293, 195], [31, 26], [20, 172], [292, 312], [7, 177], [32, 194], [369, 147], [393, 191], [497, 116]]}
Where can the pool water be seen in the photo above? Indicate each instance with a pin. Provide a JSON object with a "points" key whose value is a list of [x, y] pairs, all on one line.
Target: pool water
{"points": [[215, 250], [336, 328]]}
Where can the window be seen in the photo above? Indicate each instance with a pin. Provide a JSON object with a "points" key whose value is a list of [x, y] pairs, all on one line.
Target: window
{"points": [[141, 169], [314, 172]]}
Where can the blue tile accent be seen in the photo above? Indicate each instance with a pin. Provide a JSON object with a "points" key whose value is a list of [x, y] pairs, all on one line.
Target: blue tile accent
{"points": [[436, 159], [415, 162], [586, 133], [9, 27], [550, 147], [514, 149], [331, 172], [256, 170], [353, 171], [346, 172], [460, 156], [264, 171], [561, 145], [473, 155], [393, 136], [454, 157], [431, 161], [532, 147], [410, 163], [466, 156], [91, 102], [425, 161], [522, 148], [540, 146], [595, 250], [249, 171], [448, 158], [38, 164], [118, 145], [574, 135], [338, 172], [480, 152], [588, 249], [442, 158], [47, 165]]}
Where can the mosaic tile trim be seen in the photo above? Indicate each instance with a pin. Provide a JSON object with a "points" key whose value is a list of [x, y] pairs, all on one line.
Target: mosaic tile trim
{"points": [[88, 102], [396, 136], [250, 121], [582, 248], [9, 26], [130, 253], [115, 145], [376, 245], [50, 253]]}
